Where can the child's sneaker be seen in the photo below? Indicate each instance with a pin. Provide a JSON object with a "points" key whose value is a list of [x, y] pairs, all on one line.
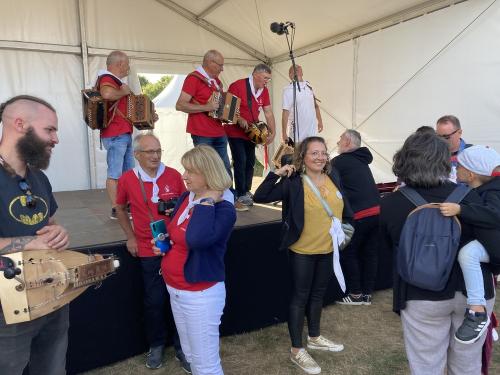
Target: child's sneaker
{"points": [[322, 343], [305, 362], [473, 327]]}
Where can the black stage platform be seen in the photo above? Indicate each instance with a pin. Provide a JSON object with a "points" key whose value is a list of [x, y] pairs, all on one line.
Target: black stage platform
{"points": [[106, 323]]}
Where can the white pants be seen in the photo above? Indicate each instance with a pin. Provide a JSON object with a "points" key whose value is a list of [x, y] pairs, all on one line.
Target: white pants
{"points": [[197, 318]]}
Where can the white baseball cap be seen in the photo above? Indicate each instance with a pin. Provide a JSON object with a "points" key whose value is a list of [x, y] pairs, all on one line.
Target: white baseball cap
{"points": [[479, 159]]}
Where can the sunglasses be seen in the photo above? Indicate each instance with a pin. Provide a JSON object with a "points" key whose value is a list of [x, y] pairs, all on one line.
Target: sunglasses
{"points": [[26, 189], [448, 136]]}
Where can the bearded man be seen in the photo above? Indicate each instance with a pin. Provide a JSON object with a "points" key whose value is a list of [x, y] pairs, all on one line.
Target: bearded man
{"points": [[27, 208]]}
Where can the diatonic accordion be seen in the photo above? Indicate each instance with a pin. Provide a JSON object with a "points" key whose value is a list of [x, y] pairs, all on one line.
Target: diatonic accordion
{"points": [[229, 107], [140, 112]]}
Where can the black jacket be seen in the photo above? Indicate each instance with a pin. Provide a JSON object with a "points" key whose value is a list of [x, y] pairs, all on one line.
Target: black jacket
{"points": [[291, 191], [357, 179], [486, 217], [393, 212]]}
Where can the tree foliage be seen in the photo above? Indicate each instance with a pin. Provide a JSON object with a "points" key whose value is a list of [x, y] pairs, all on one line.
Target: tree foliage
{"points": [[153, 89]]}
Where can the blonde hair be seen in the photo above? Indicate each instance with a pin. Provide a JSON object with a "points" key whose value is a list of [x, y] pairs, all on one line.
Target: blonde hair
{"points": [[205, 160]]}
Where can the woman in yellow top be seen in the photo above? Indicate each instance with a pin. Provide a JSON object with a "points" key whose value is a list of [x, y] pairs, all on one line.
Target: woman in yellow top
{"points": [[306, 235]]}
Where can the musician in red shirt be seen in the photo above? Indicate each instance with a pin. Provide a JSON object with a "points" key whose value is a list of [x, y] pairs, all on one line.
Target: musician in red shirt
{"points": [[194, 100], [242, 149], [117, 136]]}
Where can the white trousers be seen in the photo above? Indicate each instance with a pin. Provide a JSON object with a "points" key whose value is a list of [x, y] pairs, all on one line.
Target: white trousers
{"points": [[197, 318]]}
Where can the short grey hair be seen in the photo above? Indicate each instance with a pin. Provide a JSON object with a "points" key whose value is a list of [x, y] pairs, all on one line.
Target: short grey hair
{"points": [[210, 55], [137, 140], [116, 57], [354, 136], [262, 68], [423, 161]]}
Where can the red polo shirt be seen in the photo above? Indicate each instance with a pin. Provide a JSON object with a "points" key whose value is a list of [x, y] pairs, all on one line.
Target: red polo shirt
{"points": [[118, 124]]}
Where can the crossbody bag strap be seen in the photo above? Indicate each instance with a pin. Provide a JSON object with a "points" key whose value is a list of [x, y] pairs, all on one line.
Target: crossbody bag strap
{"points": [[318, 195], [249, 98], [144, 196]]}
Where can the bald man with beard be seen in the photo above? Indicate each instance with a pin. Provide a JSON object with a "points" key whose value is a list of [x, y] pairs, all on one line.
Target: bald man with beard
{"points": [[27, 208]]}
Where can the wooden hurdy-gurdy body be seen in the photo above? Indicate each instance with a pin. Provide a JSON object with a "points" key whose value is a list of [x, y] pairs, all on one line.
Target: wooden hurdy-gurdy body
{"points": [[34, 283]]}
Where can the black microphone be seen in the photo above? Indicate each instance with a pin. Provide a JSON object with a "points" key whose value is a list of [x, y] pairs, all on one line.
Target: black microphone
{"points": [[278, 28]]}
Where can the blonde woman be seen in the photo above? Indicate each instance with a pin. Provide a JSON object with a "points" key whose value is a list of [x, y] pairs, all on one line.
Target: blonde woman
{"points": [[194, 267], [306, 235]]}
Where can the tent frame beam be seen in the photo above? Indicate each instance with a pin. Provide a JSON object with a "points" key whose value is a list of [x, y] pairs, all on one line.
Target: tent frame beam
{"points": [[377, 25], [215, 30], [210, 9]]}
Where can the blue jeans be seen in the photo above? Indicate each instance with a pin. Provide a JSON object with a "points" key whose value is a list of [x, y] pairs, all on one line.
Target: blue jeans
{"points": [[219, 144], [39, 343], [470, 257], [243, 153], [157, 313], [120, 156]]}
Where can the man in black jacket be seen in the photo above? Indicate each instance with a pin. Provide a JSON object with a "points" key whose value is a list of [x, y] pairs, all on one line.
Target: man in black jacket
{"points": [[359, 260]]}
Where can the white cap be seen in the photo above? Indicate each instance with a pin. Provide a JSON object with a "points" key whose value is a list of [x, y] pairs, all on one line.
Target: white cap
{"points": [[479, 159]]}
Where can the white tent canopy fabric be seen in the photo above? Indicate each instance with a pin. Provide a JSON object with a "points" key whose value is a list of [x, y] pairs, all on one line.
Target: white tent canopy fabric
{"points": [[383, 67]]}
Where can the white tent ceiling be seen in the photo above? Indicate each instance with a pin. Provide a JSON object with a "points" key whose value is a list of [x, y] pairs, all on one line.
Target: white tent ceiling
{"points": [[437, 58]]}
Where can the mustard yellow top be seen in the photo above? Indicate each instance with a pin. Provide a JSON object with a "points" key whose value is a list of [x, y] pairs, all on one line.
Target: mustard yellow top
{"points": [[315, 237]]}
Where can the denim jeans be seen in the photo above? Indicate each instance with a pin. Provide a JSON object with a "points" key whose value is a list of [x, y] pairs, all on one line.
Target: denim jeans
{"points": [[470, 256], [157, 313], [218, 143], [310, 277], [41, 343], [197, 317], [243, 153], [359, 260], [119, 156]]}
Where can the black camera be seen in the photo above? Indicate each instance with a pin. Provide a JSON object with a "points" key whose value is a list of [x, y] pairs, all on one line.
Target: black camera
{"points": [[164, 206]]}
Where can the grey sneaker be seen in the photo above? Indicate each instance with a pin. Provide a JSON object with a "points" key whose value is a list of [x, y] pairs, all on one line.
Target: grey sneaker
{"points": [[351, 300], [322, 343], [246, 200], [112, 216], [179, 355], [473, 327], [155, 357], [305, 362]]}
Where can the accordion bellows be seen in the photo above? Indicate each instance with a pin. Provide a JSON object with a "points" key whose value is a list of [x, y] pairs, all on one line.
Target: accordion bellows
{"points": [[229, 107]]}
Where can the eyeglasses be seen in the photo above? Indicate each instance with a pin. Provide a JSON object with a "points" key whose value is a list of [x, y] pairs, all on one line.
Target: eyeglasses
{"points": [[219, 65], [152, 152], [26, 189], [317, 154], [448, 136]]}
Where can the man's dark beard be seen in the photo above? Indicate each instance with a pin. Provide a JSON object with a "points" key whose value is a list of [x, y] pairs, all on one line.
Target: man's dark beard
{"points": [[33, 150]]}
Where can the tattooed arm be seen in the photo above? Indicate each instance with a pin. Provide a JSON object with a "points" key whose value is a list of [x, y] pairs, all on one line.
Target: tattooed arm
{"points": [[15, 244]]}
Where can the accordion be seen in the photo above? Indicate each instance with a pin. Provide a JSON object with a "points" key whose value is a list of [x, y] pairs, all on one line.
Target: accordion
{"points": [[140, 112], [283, 155], [257, 132], [35, 283], [229, 107], [97, 112]]}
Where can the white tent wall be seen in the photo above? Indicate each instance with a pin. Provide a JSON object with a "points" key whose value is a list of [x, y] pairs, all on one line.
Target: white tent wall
{"points": [[392, 91]]}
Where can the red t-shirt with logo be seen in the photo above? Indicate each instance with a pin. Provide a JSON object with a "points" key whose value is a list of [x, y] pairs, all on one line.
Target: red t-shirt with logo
{"points": [[118, 125], [172, 264], [239, 88], [129, 191], [200, 123]]}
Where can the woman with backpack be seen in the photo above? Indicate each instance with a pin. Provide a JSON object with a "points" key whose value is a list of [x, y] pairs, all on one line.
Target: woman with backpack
{"points": [[430, 314], [313, 208]]}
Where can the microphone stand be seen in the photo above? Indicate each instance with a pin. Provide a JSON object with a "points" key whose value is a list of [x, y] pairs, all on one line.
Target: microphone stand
{"points": [[296, 86]]}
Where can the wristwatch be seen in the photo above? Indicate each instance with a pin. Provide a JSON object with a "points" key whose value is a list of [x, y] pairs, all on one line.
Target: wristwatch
{"points": [[207, 201]]}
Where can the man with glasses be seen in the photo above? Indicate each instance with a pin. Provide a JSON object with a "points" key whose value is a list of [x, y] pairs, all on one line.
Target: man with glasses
{"points": [[195, 101], [448, 127], [359, 259], [254, 97], [27, 208], [117, 136], [148, 188]]}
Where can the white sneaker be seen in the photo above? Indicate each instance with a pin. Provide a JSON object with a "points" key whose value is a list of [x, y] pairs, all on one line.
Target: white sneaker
{"points": [[322, 343], [305, 362]]}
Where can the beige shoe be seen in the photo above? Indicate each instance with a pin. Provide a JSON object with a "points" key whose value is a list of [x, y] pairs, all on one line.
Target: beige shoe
{"points": [[240, 207], [322, 343], [305, 362]]}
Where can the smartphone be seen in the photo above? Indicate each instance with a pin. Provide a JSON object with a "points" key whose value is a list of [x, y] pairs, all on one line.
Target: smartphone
{"points": [[160, 235]]}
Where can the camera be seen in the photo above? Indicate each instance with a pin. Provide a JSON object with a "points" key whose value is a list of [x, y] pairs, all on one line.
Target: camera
{"points": [[164, 206]]}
